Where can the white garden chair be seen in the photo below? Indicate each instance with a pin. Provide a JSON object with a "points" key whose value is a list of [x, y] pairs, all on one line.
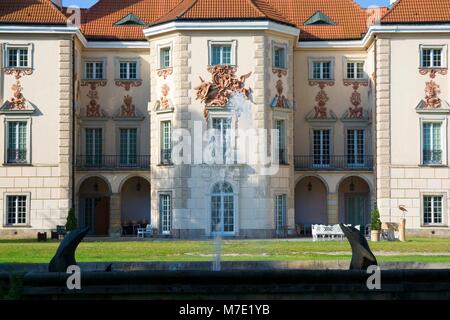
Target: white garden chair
{"points": [[142, 232]]}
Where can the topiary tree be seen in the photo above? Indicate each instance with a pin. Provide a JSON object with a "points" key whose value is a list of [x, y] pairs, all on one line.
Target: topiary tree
{"points": [[71, 223], [376, 222]]}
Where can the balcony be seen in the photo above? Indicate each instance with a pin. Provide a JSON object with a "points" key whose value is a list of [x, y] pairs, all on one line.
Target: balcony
{"points": [[114, 162], [333, 163]]}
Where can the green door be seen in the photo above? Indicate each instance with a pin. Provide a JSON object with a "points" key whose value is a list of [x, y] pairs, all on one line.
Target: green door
{"points": [[356, 210]]}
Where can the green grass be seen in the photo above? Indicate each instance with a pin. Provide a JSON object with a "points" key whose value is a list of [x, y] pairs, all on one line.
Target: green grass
{"points": [[415, 249]]}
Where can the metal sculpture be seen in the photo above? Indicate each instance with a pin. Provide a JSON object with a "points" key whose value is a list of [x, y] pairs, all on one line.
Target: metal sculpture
{"points": [[65, 255], [362, 256]]}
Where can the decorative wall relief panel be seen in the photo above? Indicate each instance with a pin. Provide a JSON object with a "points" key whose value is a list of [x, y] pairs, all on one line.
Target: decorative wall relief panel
{"points": [[320, 109], [356, 111], [165, 73], [280, 100], [432, 89], [128, 84], [224, 83], [17, 102], [93, 108]]}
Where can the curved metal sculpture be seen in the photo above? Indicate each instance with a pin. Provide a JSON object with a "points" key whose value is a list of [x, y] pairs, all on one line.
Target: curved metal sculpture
{"points": [[362, 256], [65, 255]]}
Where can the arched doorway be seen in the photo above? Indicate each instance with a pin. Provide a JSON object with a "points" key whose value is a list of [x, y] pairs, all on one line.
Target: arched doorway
{"points": [[135, 204], [354, 201], [222, 209], [94, 196], [310, 203]]}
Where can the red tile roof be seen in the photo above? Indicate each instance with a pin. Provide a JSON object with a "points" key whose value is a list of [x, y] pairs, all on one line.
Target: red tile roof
{"points": [[98, 21], [350, 19], [220, 9], [418, 11], [30, 12]]}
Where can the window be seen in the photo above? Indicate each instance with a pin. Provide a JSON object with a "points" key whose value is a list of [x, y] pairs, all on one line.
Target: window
{"points": [[16, 210], [128, 70], [432, 57], [280, 212], [432, 145], [355, 147], [223, 125], [221, 54], [321, 147], [281, 136], [279, 56], [128, 147], [94, 70], [94, 146], [18, 57], [355, 70], [17, 142], [166, 142], [165, 59], [222, 208], [432, 210], [165, 203], [321, 70]]}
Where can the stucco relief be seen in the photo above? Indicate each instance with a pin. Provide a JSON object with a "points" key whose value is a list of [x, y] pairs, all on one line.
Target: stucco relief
{"points": [[320, 109], [356, 111], [165, 72], [224, 83], [280, 100], [128, 84], [165, 104], [432, 89], [93, 108], [17, 101], [127, 109]]}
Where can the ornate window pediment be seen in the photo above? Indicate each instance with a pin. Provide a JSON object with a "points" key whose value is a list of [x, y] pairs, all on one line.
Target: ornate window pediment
{"points": [[422, 107], [316, 115]]}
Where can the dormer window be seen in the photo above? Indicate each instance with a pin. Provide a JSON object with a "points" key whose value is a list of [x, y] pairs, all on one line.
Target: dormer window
{"points": [[319, 18], [130, 19]]}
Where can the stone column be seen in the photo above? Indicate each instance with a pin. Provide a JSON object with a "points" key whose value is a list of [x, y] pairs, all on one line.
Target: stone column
{"points": [[115, 215], [332, 208]]}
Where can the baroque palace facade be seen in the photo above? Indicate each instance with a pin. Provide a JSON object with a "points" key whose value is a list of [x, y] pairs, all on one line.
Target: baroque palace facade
{"points": [[95, 103]]}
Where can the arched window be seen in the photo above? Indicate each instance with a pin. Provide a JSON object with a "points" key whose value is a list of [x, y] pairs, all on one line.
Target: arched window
{"points": [[222, 208]]}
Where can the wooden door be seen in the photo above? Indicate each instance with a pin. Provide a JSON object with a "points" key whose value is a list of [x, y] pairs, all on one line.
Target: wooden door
{"points": [[102, 217]]}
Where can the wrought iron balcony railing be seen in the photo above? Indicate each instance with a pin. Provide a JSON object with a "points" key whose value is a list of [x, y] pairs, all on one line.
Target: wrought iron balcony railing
{"points": [[17, 156], [331, 163], [113, 162]]}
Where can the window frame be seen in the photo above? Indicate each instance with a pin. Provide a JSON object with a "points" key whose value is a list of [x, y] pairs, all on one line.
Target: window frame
{"points": [[27, 214], [233, 55], [119, 61], [444, 213], [28, 121], [444, 123], [284, 47], [354, 62], [281, 228], [282, 161], [331, 145], [444, 62], [313, 60], [95, 60], [160, 203], [228, 154], [160, 62], [366, 145], [163, 160], [30, 54], [222, 196]]}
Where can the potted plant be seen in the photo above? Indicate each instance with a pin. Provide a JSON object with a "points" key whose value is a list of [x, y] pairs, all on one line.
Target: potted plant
{"points": [[375, 226]]}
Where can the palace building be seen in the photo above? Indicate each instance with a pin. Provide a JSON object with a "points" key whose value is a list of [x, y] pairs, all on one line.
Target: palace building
{"points": [[137, 112]]}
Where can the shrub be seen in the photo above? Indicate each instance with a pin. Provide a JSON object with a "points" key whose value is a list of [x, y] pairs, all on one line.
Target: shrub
{"points": [[376, 222], [71, 223]]}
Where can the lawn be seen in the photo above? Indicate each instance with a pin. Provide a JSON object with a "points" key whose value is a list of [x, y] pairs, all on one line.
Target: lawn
{"points": [[415, 249]]}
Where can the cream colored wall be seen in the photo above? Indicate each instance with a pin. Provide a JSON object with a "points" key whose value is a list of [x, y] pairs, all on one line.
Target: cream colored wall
{"points": [[111, 98], [409, 181], [338, 94], [47, 180]]}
